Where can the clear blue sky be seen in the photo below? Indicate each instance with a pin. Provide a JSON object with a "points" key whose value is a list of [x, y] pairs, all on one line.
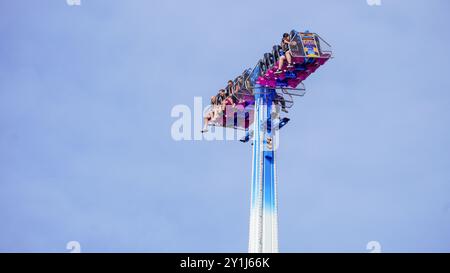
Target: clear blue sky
{"points": [[85, 147]]}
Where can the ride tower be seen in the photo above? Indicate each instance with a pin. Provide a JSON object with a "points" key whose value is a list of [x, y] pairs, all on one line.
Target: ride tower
{"points": [[263, 237], [263, 90]]}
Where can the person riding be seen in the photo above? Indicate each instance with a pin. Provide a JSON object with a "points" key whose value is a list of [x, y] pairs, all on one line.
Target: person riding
{"points": [[238, 85], [229, 88], [285, 53], [280, 99], [229, 101], [221, 97], [212, 114]]}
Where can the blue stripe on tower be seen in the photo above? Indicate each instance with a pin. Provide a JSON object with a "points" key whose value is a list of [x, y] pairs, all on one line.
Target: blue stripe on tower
{"points": [[268, 157], [269, 201]]}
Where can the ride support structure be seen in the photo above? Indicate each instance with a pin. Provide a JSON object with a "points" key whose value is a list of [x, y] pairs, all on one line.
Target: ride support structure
{"points": [[261, 92], [263, 237]]}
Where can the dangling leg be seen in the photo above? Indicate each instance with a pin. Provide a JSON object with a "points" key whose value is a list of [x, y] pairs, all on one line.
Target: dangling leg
{"points": [[206, 121], [280, 65], [283, 105], [289, 59]]}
